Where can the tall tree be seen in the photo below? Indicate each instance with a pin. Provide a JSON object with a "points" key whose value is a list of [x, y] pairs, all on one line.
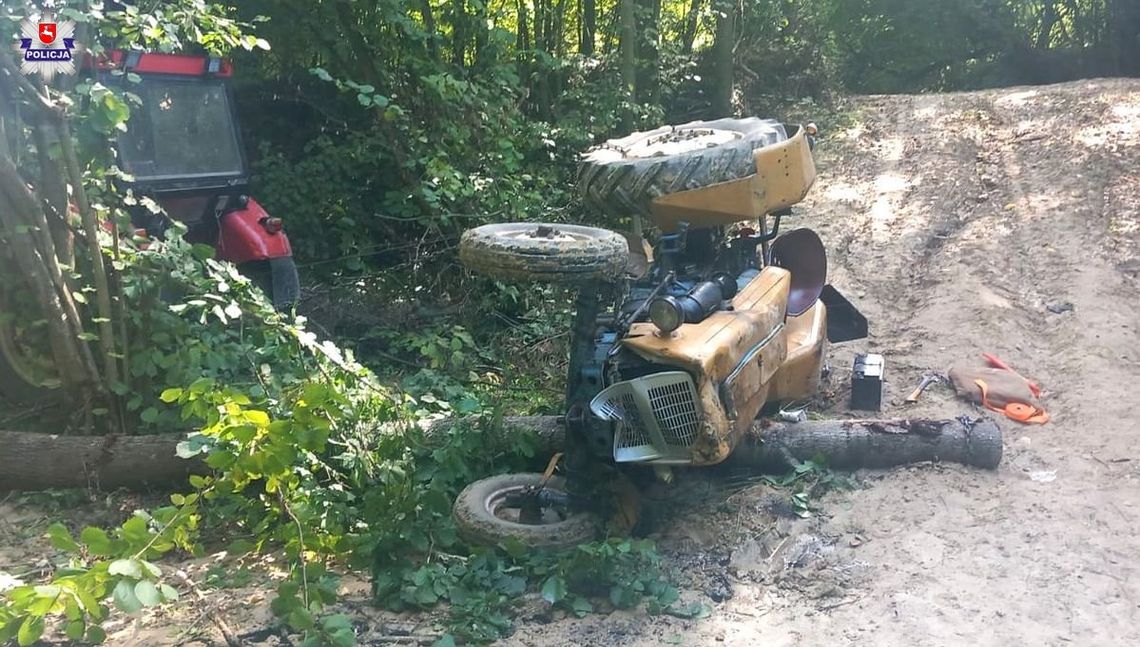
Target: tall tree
{"points": [[589, 22], [522, 34], [649, 15], [429, 26], [689, 28], [459, 32], [629, 53], [722, 58]]}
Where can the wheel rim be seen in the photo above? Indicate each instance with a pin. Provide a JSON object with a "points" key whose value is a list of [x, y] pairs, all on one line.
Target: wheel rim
{"points": [[497, 505], [545, 234]]}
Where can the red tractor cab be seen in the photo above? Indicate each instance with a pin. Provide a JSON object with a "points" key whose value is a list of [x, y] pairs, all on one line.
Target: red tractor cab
{"points": [[183, 148]]}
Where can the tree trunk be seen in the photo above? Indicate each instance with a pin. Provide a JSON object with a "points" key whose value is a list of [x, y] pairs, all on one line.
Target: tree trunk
{"points": [[1048, 19], [845, 444], [429, 26], [481, 37], [722, 62], [458, 33], [871, 444], [45, 461], [589, 27], [689, 30], [522, 37], [647, 54], [54, 193], [629, 54], [98, 271]]}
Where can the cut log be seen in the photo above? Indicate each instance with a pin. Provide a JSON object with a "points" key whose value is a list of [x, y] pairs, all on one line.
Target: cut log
{"points": [[844, 444], [872, 444], [44, 461]]}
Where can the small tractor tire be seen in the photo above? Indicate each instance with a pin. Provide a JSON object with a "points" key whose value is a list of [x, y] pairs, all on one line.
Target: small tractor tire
{"points": [[277, 278], [623, 176], [475, 515], [546, 253]]}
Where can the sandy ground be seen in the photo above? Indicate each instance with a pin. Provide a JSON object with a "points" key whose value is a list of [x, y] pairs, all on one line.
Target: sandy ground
{"points": [[954, 221], [958, 223]]}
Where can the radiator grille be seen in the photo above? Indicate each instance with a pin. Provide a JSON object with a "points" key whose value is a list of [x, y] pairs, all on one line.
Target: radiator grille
{"points": [[676, 412], [656, 416]]}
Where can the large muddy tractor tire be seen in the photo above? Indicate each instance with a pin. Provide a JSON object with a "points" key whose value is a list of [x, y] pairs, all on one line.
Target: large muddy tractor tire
{"points": [[484, 518], [623, 176], [547, 253]]}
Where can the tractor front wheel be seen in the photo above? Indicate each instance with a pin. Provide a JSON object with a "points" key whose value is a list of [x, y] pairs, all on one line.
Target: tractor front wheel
{"points": [[488, 513], [547, 253]]}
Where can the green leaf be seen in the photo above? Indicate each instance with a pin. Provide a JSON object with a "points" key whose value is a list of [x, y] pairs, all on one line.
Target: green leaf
{"points": [[126, 568], [96, 541], [135, 531], [75, 629], [169, 593], [147, 593], [300, 619], [554, 589], [125, 598], [95, 634], [30, 631], [170, 395], [61, 538], [581, 606], [154, 572]]}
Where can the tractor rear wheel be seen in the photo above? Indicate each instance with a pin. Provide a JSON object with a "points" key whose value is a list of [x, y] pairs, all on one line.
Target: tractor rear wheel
{"points": [[622, 176], [547, 253]]}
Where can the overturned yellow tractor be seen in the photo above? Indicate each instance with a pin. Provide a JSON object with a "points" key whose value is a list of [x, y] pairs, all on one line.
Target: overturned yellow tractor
{"points": [[679, 345]]}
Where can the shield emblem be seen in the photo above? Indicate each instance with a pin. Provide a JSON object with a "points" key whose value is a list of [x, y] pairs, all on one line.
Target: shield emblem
{"points": [[47, 33]]}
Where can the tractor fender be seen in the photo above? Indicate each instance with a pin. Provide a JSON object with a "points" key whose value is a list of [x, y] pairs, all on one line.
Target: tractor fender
{"points": [[244, 237]]}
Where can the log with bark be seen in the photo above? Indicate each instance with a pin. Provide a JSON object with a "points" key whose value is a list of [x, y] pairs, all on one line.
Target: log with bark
{"points": [[872, 444], [42, 461], [844, 444]]}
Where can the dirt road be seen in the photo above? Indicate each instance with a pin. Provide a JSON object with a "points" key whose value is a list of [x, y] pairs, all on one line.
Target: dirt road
{"points": [[956, 221]]}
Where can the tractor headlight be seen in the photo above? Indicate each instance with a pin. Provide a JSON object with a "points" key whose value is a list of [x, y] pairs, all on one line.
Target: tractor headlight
{"points": [[666, 314]]}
